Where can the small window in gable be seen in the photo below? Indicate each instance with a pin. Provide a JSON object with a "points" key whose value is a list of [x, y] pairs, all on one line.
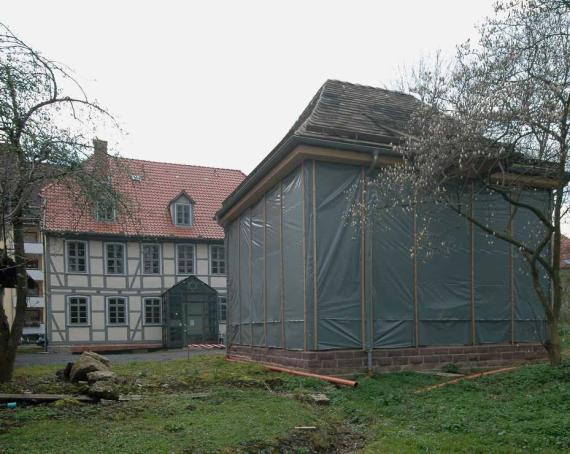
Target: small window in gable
{"points": [[183, 213], [105, 211], [182, 209]]}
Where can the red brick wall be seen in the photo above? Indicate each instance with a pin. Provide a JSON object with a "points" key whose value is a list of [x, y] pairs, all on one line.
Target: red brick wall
{"points": [[391, 360]]}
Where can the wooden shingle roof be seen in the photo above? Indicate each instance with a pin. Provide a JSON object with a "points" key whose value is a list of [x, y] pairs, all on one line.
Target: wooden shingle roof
{"points": [[341, 114], [356, 112]]}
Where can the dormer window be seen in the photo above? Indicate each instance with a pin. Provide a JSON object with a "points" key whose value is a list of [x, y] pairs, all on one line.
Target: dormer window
{"points": [[105, 211], [181, 210]]}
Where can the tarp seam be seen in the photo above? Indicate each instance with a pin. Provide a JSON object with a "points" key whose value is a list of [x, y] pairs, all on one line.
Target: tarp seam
{"points": [[304, 260], [283, 321], [315, 290]]}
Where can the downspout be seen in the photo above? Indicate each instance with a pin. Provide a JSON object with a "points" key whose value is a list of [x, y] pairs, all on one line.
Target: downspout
{"points": [[46, 292], [367, 296]]}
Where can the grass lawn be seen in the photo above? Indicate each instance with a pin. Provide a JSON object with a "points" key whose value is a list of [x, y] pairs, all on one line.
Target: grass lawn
{"points": [[210, 405]]}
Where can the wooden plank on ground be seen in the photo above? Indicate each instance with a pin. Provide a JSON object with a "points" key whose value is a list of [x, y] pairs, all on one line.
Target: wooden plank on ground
{"points": [[42, 397]]}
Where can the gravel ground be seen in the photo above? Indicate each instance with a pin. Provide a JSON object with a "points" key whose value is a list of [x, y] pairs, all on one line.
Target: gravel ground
{"points": [[39, 358]]}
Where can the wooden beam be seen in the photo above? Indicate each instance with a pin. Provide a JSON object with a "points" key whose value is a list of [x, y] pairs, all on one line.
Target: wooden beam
{"points": [[43, 397], [291, 161], [514, 179], [309, 152]]}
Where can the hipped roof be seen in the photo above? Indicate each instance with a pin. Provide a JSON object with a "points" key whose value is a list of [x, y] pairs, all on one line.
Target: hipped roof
{"points": [[344, 115]]}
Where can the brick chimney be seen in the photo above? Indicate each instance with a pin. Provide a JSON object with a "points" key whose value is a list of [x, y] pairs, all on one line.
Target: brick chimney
{"points": [[99, 147], [101, 159]]}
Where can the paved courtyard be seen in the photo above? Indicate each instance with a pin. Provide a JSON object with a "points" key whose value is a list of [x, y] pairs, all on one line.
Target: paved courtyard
{"points": [[28, 358]]}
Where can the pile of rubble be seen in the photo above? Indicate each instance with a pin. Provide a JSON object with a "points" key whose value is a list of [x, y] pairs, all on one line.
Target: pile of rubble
{"points": [[95, 371]]}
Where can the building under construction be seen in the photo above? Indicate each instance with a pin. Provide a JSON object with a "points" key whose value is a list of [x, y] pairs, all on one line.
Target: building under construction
{"points": [[307, 290]]}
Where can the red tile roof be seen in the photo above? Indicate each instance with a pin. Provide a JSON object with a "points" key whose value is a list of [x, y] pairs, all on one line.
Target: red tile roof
{"points": [[149, 200]]}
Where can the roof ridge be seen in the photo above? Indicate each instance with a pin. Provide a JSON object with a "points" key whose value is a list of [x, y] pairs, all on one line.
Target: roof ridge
{"points": [[179, 164], [371, 87]]}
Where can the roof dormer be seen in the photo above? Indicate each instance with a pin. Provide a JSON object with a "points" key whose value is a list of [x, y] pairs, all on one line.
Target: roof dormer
{"points": [[182, 210]]}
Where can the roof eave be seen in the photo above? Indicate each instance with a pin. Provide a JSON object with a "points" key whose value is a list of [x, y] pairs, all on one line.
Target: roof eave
{"points": [[382, 147]]}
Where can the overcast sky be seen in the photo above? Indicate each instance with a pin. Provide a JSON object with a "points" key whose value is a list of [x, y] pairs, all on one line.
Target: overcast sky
{"points": [[220, 82]]}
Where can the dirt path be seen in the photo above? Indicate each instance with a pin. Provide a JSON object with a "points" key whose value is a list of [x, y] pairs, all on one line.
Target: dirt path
{"points": [[40, 358]]}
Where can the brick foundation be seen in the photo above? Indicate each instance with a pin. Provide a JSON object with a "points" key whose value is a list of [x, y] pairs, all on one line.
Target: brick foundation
{"points": [[342, 362]]}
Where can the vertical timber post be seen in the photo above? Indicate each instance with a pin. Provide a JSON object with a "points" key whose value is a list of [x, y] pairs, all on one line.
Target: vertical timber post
{"points": [[281, 274], [315, 290], [415, 277], [265, 269], [512, 275], [362, 277], [472, 247], [250, 267], [305, 340], [239, 277]]}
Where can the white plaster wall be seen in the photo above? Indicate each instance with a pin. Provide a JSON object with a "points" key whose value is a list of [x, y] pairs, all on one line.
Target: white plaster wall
{"points": [[116, 282], [169, 281], [133, 250], [78, 334], [133, 266], [218, 281], [117, 333], [134, 319], [77, 280], [57, 263], [201, 251], [98, 336], [53, 282], [60, 320], [97, 281], [97, 303], [58, 336], [96, 266], [95, 248], [56, 246], [168, 250], [202, 267], [58, 302], [98, 320], [135, 282], [168, 266], [153, 333], [151, 282]]}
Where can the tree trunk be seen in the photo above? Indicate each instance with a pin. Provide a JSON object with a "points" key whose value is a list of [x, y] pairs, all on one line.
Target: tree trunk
{"points": [[11, 339], [7, 359], [553, 345]]}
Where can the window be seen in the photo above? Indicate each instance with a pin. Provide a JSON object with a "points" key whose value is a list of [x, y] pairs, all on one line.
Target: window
{"points": [[36, 291], [185, 258], [222, 309], [33, 317], [105, 211], [152, 311], [76, 256], [78, 310], [115, 258], [32, 263], [183, 213], [116, 311], [151, 259], [218, 259], [30, 237]]}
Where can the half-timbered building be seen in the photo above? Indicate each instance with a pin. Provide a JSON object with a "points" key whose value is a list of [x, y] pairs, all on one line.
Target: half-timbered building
{"points": [[106, 270]]}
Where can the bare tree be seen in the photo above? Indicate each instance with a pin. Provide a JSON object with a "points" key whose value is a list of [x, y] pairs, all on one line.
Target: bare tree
{"points": [[496, 118], [46, 126]]}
